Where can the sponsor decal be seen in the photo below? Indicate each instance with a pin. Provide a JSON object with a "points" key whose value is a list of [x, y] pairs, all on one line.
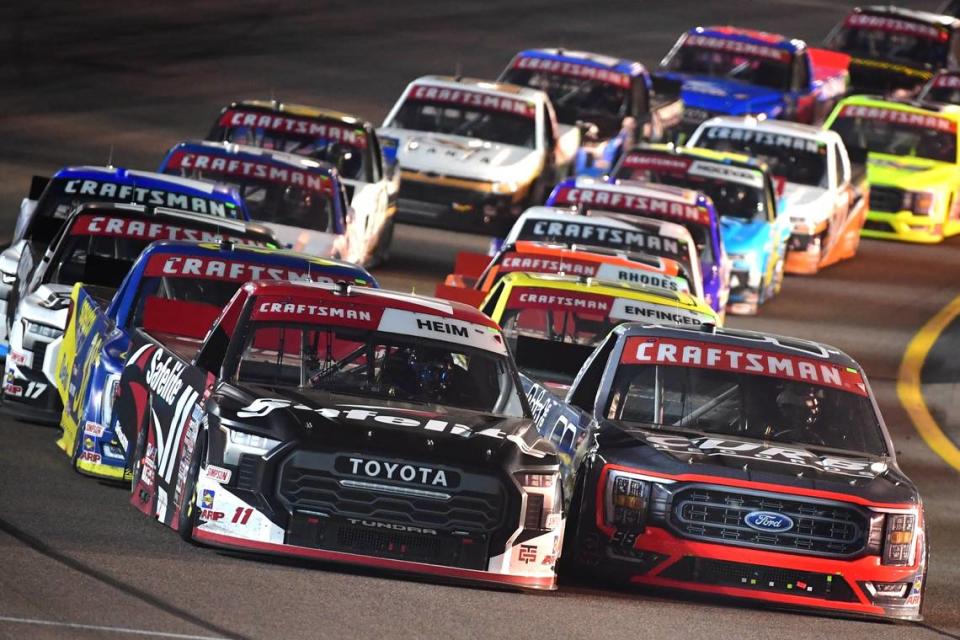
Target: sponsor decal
{"points": [[750, 49], [93, 429], [315, 128], [161, 265], [256, 170], [88, 443], [727, 173], [444, 329], [896, 116], [85, 318], [766, 139], [404, 528], [739, 359], [574, 70], [768, 521], [511, 262], [396, 471], [211, 515], [611, 200], [367, 415], [646, 277], [14, 390], [218, 474], [947, 81], [527, 553], [636, 239], [558, 300], [893, 25], [146, 229], [163, 376], [475, 99], [21, 359], [283, 308], [637, 311], [207, 498], [111, 191], [90, 456], [655, 162], [716, 446]]}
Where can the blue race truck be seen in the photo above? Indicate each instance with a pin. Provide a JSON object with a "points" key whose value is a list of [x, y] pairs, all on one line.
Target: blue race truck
{"points": [[176, 289]]}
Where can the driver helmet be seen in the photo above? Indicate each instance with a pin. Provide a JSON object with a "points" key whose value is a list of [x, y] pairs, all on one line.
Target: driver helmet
{"points": [[800, 405], [417, 372]]}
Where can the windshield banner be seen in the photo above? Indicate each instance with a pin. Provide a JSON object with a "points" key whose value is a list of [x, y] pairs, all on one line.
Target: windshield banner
{"points": [[897, 116], [737, 46], [892, 25], [574, 70], [476, 99], [211, 165], [739, 359], [208, 268], [312, 127], [147, 229], [620, 201], [597, 234]]}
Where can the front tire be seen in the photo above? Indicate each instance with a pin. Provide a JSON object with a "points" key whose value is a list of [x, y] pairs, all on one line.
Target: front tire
{"points": [[188, 515]]}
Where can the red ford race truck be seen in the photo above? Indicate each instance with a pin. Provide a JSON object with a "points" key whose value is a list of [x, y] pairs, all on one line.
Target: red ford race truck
{"points": [[737, 464]]}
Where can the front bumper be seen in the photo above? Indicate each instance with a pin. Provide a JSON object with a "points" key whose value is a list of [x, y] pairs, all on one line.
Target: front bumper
{"points": [[27, 394], [744, 297], [804, 253], [457, 205], [659, 557], [903, 226]]}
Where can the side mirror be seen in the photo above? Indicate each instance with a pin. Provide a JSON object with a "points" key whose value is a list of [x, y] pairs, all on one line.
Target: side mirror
{"points": [[37, 185], [588, 130]]}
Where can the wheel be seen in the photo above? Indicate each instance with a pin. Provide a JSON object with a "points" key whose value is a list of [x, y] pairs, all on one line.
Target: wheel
{"points": [[187, 518], [575, 557]]}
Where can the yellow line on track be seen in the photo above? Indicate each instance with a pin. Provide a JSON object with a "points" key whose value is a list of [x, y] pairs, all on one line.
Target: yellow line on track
{"points": [[909, 389]]}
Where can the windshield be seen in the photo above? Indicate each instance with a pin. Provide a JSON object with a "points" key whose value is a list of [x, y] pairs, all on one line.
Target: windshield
{"points": [[281, 204], [553, 343], [96, 260], [797, 160], [63, 195], [754, 64], [732, 199], [348, 151], [574, 99], [943, 91], [901, 41], [744, 405], [898, 133], [371, 364], [504, 127]]}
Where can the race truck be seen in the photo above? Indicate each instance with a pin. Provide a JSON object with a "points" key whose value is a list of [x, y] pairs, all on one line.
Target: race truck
{"points": [[635, 201], [51, 200], [614, 102], [610, 254], [893, 50], [175, 290], [301, 200], [825, 190], [731, 71], [474, 154], [346, 424], [97, 246], [736, 464], [913, 171], [943, 87], [753, 229], [552, 323], [347, 142]]}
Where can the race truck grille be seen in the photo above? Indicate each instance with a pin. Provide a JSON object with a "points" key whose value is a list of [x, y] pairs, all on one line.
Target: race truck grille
{"points": [[886, 199], [819, 528], [878, 225], [440, 194], [761, 578], [309, 482]]}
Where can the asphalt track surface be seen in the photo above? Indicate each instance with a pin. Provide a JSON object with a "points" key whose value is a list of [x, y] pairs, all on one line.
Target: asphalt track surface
{"points": [[76, 561]]}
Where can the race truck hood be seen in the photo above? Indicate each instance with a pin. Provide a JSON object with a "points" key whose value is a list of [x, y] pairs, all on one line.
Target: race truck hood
{"points": [[912, 174], [363, 423], [47, 305], [316, 243], [805, 204], [448, 155], [692, 454], [729, 96], [740, 237]]}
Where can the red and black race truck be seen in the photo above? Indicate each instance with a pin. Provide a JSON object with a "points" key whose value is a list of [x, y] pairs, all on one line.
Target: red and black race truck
{"points": [[737, 464], [346, 424]]}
